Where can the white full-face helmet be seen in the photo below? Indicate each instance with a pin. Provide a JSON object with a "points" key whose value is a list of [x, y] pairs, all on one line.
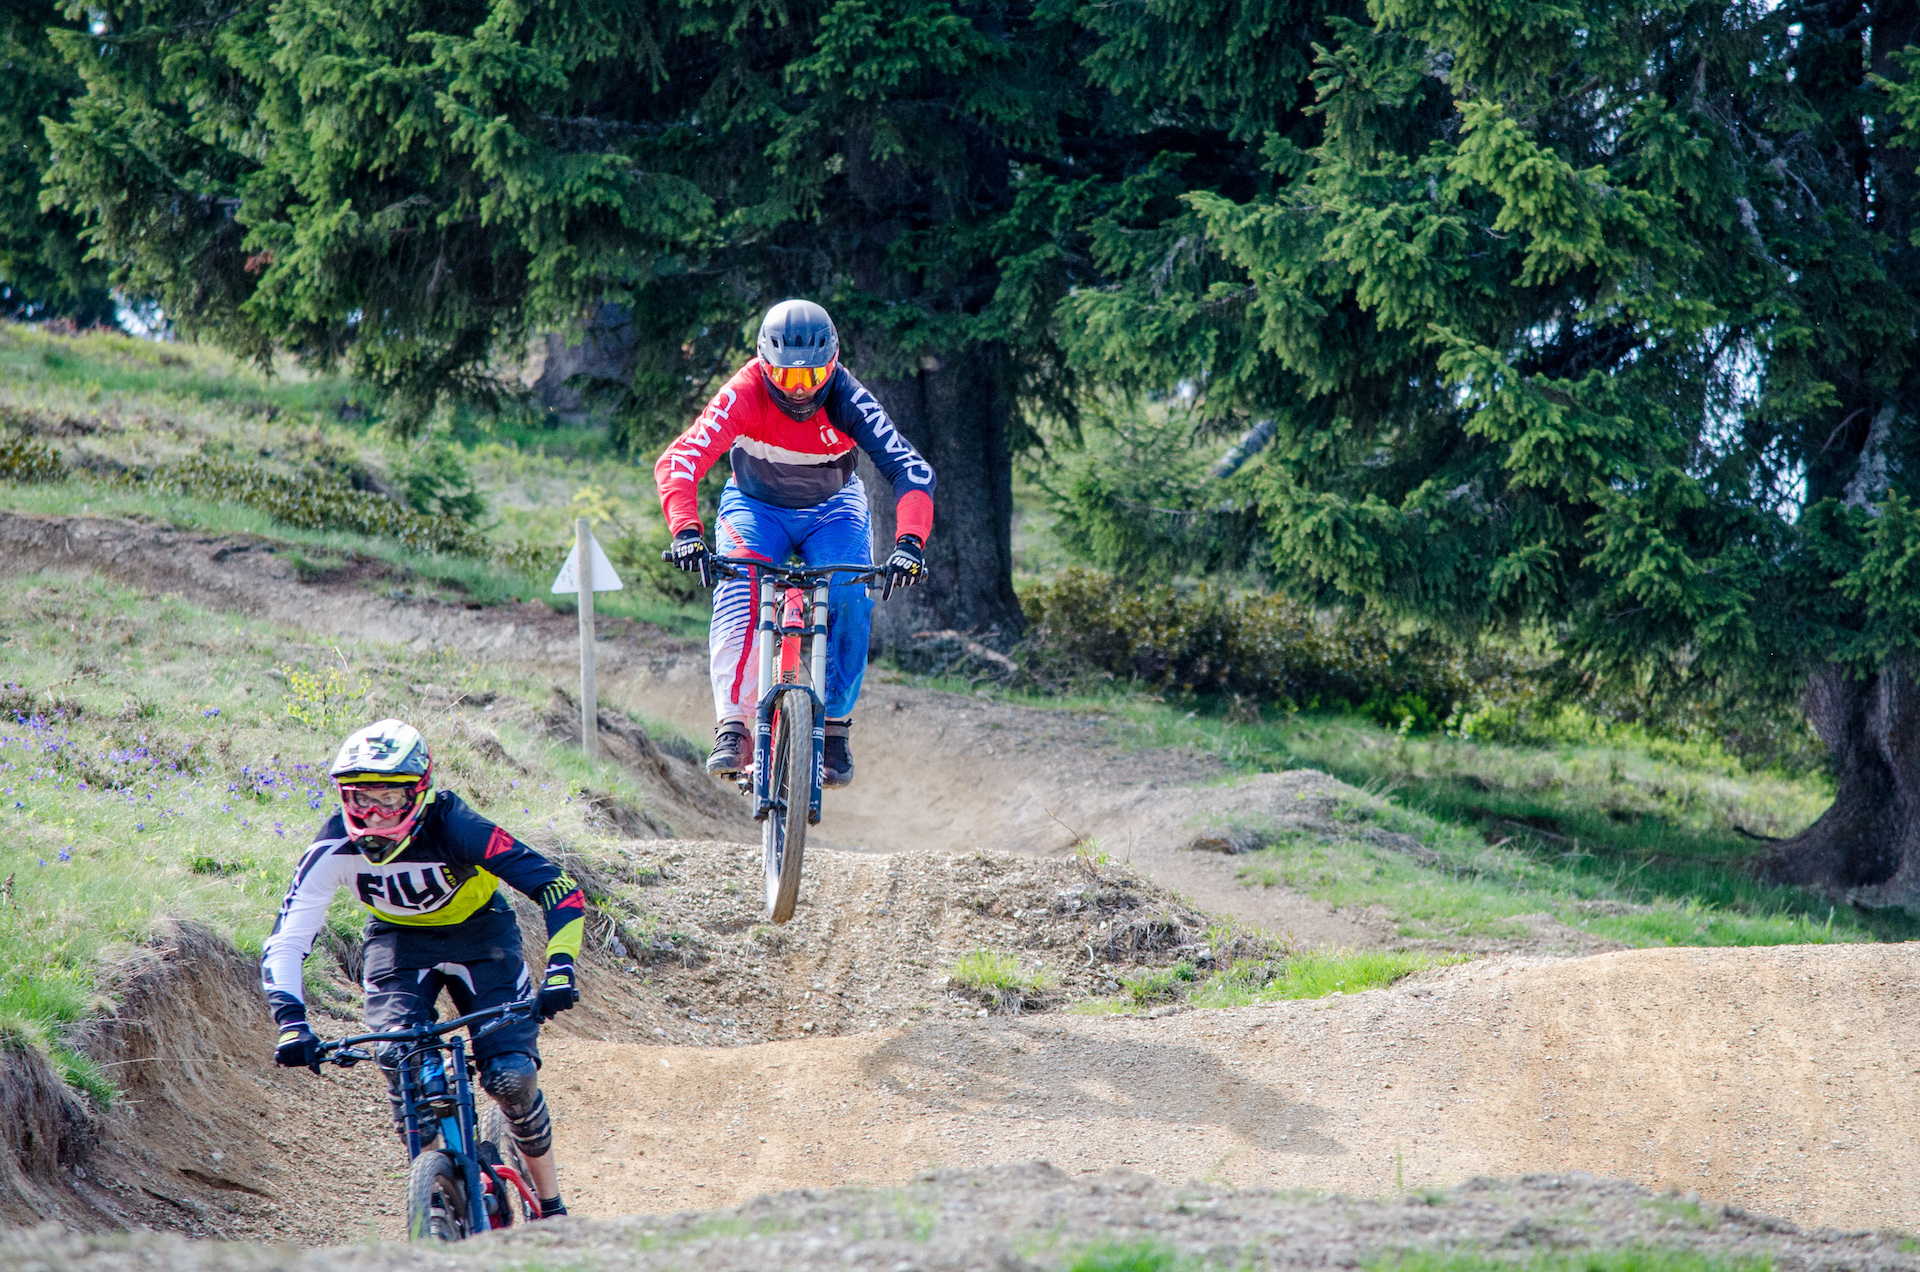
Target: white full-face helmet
{"points": [[384, 774]]}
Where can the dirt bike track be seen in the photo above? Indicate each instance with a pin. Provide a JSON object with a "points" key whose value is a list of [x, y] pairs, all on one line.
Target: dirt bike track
{"points": [[1781, 1079]]}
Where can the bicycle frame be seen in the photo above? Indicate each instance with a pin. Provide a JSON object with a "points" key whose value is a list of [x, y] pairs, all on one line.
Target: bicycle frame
{"points": [[458, 1126], [780, 626]]}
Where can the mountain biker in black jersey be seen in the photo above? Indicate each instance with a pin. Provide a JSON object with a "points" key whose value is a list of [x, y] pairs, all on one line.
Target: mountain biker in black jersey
{"points": [[427, 867]]}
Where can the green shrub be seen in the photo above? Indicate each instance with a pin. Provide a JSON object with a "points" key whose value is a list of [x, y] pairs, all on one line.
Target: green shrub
{"points": [[317, 499], [997, 981], [311, 503], [1162, 984], [1315, 974], [1130, 1256], [1266, 649], [437, 483], [23, 459], [984, 969]]}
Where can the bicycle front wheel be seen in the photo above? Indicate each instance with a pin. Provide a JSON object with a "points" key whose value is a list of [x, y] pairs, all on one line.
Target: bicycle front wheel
{"points": [[783, 835], [437, 1207]]}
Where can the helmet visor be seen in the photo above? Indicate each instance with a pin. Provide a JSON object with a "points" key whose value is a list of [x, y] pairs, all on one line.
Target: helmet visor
{"points": [[801, 382]]}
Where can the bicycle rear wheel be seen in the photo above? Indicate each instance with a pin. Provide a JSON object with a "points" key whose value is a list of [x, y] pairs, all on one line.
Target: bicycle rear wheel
{"points": [[437, 1207], [495, 1137], [783, 835]]}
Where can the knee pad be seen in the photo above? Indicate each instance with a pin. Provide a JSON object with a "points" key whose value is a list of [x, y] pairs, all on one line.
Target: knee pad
{"points": [[513, 1080], [533, 1130]]}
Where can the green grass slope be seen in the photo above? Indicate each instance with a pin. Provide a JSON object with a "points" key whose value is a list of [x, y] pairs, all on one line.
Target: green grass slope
{"points": [[159, 760], [113, 405]]}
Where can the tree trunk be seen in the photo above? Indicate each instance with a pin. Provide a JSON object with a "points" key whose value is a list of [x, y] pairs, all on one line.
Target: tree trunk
{"points": [[1865, 847], [956, 411]]}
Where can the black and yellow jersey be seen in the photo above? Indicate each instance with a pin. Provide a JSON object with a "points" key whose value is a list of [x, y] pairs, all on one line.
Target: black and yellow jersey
{"points": [[440, 898]]}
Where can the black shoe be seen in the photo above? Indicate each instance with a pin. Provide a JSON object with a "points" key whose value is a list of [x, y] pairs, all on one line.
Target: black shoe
{"points": [[837, 763], [732, 750]]}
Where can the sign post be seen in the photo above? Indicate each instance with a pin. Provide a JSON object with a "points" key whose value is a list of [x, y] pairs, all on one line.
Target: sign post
{"points": [[587, 571]]}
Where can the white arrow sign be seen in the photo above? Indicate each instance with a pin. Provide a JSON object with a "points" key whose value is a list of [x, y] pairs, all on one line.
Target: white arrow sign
{"points": [[604, 579]]}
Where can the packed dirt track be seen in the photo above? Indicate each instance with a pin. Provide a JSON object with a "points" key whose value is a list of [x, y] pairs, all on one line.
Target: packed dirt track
{"points": [[1779, 1079], [1775, 1079], [1033, 1218]]}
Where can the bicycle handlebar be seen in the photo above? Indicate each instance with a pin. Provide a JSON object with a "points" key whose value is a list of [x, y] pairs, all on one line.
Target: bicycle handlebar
{"points": [[798, 574], [343, 1051], [791, 575]]}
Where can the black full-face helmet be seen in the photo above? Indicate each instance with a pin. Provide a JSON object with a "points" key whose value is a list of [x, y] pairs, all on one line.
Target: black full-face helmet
{"points": [[799, 350]]}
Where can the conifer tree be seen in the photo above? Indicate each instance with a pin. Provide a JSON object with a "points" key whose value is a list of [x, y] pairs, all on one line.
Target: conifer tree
{"points": [[412, 187], [43, 270], [1600, 319]]}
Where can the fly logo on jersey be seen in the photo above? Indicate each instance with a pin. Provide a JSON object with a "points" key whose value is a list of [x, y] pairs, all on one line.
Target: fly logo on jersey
{"points": [[416, 889]]}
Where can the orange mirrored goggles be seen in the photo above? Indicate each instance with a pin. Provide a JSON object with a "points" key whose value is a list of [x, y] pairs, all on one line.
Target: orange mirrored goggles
{"points": [[800, 380]]}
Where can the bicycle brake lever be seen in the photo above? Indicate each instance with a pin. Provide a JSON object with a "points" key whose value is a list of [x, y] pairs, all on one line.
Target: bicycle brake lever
{"points": [[706, 573], [886, 589], [347, 1057]]}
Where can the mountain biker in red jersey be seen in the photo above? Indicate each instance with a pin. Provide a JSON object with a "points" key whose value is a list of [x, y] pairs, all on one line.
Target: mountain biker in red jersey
{"points": [[788, 421]]}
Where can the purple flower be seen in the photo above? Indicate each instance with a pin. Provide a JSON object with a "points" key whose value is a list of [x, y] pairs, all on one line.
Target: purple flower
{"points": [[66, 854], [139, 825], [211, 712]]}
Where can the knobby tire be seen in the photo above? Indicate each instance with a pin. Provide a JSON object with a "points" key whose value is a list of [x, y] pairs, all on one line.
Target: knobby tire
{"points": [[495, 1135], [783, 835], [433, 1177]]}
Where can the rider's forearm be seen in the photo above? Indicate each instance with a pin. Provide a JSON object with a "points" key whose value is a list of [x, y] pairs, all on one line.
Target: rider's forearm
{"points": [[913, 514]]}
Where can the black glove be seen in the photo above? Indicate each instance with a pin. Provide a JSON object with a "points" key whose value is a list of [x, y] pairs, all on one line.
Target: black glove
{"points": [[689, 551], [557, 993], [908, 564], [298, 1048]]}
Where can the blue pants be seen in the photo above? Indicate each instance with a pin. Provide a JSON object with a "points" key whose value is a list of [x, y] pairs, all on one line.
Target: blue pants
{"points": [[835, 531]]}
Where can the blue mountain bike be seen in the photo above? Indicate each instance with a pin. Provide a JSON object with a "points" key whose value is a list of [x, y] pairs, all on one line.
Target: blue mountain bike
{"points": [[466, 1175]]}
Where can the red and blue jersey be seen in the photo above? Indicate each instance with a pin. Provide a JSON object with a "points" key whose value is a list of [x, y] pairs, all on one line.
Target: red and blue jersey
{"points": [[793, 463]]}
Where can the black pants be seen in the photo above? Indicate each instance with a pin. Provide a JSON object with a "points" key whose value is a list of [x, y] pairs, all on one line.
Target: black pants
{"points": [[399, 997]]}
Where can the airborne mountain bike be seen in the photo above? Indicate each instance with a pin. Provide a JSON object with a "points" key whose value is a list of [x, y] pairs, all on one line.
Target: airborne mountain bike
{"points": [[790, 730], [470, 1180]]}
